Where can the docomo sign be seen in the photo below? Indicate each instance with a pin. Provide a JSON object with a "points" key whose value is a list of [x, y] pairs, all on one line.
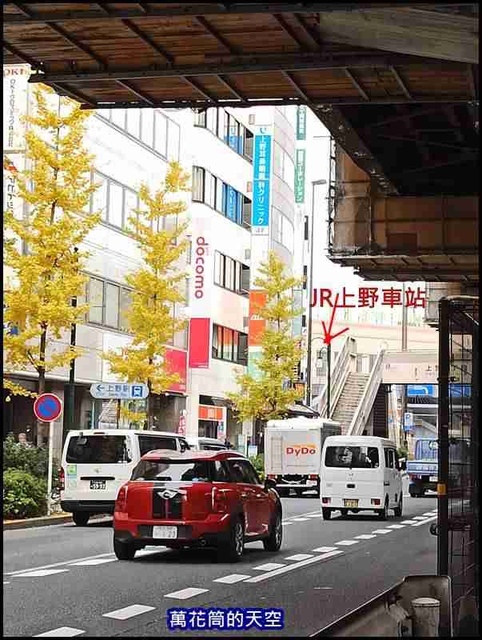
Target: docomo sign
{"points": [[301, 449], [201, 252]]}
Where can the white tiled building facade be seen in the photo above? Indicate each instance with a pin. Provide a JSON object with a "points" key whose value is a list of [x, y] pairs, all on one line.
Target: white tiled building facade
{"points": [[134, 146]]}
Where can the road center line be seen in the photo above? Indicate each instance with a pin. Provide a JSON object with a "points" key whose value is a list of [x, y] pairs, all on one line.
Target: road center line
{"points": [[292, 567], [57, 564]]}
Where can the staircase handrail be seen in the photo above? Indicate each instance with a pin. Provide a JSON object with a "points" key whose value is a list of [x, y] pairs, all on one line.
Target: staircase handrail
{"points": [[339, 374], [368, 398]]}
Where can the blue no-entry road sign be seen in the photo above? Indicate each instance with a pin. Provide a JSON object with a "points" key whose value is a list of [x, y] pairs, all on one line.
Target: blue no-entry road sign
{"points": [[47, 407]]}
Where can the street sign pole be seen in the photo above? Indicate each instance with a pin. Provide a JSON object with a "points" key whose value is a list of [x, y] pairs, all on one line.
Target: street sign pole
{"points": [[50, 471], [48, 408]]}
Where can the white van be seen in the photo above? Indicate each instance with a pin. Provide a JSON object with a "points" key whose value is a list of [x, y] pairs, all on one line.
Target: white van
{"points": [[206, 444], [96, 463], [360, 473]]}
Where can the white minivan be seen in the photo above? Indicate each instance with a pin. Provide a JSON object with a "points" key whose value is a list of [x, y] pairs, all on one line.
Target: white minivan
{"points": [[360, 473], [96, 463]]}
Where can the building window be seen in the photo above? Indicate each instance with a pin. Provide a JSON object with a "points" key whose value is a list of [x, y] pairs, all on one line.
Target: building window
{"points": [[112, 305], [95, 293], [115, 201], [108, 303], [173, 140], [228, 129], [231, 274], [212, 191], [283, 165], [198, 184], [229, 344], [153, 128], [147, 127]]}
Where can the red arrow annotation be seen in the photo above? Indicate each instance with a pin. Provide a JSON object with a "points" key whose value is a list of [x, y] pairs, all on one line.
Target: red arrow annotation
{"points": [[327, 335]]}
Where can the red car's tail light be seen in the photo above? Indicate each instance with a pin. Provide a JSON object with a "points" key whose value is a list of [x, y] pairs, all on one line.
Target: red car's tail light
{"points": [[219, 501], [312, 476], [61, 479], [326, 500], [121, 502], [376, 501]]}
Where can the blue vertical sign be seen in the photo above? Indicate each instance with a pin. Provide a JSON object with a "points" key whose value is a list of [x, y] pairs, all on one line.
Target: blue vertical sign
{"points": [[261, 182], [231, 203]]}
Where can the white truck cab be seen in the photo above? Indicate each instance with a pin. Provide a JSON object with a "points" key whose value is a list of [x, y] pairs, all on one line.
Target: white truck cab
{"points": [[360, 473]]}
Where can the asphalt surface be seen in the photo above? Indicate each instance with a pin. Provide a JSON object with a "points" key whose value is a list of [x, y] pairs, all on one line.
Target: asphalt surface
{"points": [[65, 576]]}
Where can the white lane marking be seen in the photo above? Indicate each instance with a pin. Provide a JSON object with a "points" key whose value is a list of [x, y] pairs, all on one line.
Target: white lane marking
{"points": [[292, 567], [57, 564], [285, 522], [428, 513], [396, 526], [409, 521], [325, 549], [40, 574], [316, 515], [424, 521], [365, 536], [92, 563], [61, 632], [300, 520], [6, 582], [299, 556], [232, 579], [128, 612], [419, 517], [268, 566], [346, 543], [381, 531], [184, 594]]}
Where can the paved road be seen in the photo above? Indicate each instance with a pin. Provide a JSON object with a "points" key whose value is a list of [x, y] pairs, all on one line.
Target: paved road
{"points": [[65, 576]]}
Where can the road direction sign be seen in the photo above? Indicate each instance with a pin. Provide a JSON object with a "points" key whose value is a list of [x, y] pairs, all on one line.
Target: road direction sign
{"points": [[119, 391], [47, 407]]}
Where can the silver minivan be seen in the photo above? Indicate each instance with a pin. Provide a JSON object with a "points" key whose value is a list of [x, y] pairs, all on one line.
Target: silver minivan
{"points": [[96, 463]]}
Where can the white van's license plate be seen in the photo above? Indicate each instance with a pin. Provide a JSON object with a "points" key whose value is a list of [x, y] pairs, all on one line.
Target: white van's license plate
{"points": [[165, 533], [350, 503], [97, 484]]}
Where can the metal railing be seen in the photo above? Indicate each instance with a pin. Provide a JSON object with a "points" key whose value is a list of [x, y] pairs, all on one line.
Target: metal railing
{"points": [[339, 374], [366, 403]]}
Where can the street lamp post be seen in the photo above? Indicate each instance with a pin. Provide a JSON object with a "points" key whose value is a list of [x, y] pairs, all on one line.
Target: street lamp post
{"points": [[314, 184]]}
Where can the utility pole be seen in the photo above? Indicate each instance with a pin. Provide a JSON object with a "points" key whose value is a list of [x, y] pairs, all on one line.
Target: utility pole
{"points": [[314, 183], [403, 438], [69, 389]]}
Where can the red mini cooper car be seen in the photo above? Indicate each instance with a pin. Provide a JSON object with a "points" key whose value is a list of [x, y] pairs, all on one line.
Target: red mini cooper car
{"points": [[196, 498]]}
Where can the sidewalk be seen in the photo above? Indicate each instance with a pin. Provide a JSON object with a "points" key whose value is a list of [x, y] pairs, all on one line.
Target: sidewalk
{"points": [[44, 521]]}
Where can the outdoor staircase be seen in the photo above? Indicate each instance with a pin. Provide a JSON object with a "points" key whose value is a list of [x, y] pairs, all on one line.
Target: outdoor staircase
{"points": [[350, 399]]}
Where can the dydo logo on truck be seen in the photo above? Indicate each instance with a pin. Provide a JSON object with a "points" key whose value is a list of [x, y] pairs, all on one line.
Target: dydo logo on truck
{"points": [[301, 449]]}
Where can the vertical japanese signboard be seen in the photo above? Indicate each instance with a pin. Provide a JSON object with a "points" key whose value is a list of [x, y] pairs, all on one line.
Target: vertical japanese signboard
{"points": [[301, 123], [300, 176], [15, 107], [261, 181], [257, 300]]}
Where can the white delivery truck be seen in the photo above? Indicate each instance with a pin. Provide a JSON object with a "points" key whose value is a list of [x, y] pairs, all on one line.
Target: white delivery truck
{"points": [[292, 452]]}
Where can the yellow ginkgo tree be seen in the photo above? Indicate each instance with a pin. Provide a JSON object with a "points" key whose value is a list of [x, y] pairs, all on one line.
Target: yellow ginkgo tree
{"points": [[158, 286], [268, 394], [43, 253]]}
